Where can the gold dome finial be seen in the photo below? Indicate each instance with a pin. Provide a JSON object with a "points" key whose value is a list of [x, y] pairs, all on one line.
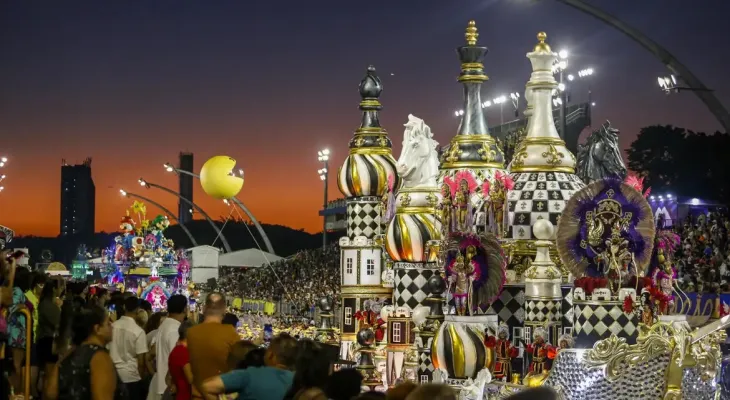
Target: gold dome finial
{"points": [[471, 33], [542, 46]]}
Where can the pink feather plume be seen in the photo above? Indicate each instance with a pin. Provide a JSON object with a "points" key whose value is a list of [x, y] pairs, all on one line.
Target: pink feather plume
{"points": [[391, 182], [469, 178], [637, 183], [451, 184], [485, 188], [505, 179]]}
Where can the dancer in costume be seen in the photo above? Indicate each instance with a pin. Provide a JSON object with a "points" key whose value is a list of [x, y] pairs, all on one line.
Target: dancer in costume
{"points": [[504, 353], [538, 351], [462, 279], [664, 273], [497, 196], [463, 186], [445, 208]]}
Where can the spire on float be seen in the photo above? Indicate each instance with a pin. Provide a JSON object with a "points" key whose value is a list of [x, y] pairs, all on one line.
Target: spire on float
{"points": [[473, 150], [542, 168], [366, 170]]}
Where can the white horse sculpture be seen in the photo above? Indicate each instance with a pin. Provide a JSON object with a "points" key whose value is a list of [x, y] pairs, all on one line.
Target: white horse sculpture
{"points": [[418, 163]]}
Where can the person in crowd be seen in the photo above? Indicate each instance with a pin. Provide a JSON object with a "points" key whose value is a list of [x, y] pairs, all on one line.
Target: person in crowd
{"points": [[17, 333], [345, 384], [150, 330], [180, 375], [539, 393], [146, 306], [270, 382], [101, 297], [230, 319], [128, 349], [167, 338], [210, 342], [237, 358], [312, 371], [87, 372], [141, 318], [432, 391], [400, 392], [49, 319], [7, 282]]}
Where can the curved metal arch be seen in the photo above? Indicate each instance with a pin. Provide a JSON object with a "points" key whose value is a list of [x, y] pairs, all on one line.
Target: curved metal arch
{"points": [[705, 95], [240, 204], [168, 212], [197, 208]]}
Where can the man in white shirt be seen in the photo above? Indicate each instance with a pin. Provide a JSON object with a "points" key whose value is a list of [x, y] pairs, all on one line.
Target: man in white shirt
{"points": [[167, 337], [128, 348]]}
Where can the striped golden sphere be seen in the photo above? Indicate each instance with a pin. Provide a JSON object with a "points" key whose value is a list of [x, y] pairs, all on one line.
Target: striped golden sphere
{"points": [[366, 174], [459, 349]]}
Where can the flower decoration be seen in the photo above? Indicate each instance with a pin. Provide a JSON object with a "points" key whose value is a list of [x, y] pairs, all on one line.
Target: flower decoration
{"points": [[139, 207]]}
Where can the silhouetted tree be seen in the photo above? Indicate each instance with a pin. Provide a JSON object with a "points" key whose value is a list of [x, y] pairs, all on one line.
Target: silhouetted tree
{"points": [[683, 162]]}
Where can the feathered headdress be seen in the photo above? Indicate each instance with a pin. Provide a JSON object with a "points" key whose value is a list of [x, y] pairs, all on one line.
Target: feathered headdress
{"points": [[471, 183], [637, 183], [667, 241], [485, 188], [451, 184], [391, 182], [505, 179]]}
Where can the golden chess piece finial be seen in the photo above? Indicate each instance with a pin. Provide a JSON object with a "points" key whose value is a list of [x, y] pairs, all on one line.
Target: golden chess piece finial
{"points": [[542, 46], [471, 33]]}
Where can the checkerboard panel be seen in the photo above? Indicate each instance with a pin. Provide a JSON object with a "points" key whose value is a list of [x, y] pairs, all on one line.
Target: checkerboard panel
{"points": [[411, 286], [539, 311], [567, 306], [597, 321], [425, 366], [535, 196], [510, 306], [363, 218]]}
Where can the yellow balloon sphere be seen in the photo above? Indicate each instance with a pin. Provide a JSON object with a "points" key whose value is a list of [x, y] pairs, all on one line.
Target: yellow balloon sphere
{"points": [[218, 178]]}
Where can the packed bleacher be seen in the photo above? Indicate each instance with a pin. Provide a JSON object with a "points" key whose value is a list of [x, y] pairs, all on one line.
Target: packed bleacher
{"points": [[704, 256], [301, 279]]}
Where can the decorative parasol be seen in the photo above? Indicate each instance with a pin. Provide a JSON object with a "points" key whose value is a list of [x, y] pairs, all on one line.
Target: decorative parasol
{"points": [[590, 218]]}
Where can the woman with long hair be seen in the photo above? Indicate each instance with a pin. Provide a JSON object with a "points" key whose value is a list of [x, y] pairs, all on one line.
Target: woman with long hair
{"points": [[311, 372], [88, 371]]}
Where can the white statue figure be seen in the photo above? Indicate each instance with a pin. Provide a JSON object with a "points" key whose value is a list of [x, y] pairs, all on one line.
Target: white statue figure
{"points": [[418, 164]]}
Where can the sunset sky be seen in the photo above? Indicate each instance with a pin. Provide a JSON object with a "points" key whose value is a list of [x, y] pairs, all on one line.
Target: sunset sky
{"points": [[133, 83]]}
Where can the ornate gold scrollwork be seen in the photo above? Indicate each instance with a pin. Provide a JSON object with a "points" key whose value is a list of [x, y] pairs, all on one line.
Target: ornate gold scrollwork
{"points": [[487, 153], [405, 200], [614, 354], [552, 156], [359, 141], [453, 155], [520, 155]]}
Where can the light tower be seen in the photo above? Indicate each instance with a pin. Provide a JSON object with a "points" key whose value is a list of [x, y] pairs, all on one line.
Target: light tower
{"points": [[363, 180]]}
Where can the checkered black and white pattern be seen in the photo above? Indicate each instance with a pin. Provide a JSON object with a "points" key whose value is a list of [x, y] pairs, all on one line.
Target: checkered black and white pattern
{"points": [[411, 285], [425, 366], [599, 320], [537, 312], [363, 217], [538, 195], [567, 306], [509, 307]]}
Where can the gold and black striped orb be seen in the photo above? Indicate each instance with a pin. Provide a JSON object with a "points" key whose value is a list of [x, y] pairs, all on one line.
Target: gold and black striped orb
{"points": [[459, 349], [407, 237], [366, 174]]}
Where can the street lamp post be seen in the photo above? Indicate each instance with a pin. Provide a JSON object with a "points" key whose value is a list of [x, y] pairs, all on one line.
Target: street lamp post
{"points": [[324, 156], [170, 168], [197, 208], [3, 161], [163, 208], [562, 65]]}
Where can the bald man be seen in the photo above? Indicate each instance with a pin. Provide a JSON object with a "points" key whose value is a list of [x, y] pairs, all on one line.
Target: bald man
{"points": [[210, 342]]}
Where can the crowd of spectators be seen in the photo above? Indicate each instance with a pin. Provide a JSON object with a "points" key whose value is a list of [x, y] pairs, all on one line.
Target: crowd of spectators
{"points": [[302, 279], [703, 258]]}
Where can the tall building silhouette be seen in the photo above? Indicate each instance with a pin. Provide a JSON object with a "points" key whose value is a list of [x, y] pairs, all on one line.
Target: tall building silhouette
{"points": [[186, 187], [78, 199]]}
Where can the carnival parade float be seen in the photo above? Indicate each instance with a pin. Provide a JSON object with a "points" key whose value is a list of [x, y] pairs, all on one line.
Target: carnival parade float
{"points": [[431, 291], [143, 261]]}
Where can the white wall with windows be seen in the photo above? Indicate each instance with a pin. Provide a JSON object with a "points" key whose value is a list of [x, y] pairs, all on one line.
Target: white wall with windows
{"points": [[370, 266], [349, 266]]}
